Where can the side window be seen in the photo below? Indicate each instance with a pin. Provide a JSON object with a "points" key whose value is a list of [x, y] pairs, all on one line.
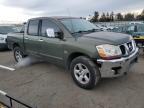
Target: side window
{"points": [[131, 28], [51, 25], [33, 27], [140, 28]]}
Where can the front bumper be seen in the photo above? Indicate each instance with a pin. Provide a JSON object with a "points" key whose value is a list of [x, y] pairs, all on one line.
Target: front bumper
{"points": [[117, 67]]}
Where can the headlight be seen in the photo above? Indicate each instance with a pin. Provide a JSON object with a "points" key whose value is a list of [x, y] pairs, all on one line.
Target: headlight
{"points": [[107, 51]]}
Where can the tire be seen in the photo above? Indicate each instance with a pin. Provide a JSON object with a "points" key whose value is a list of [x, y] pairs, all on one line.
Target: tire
{"points": [[18, 54], [85, 72]]}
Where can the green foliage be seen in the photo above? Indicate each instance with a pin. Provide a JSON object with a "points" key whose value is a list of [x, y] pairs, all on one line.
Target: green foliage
{"points": [[108, 17], [129, 17], [95, 17], [103, 18], [141, 16], [119, 17], [112, 16]]}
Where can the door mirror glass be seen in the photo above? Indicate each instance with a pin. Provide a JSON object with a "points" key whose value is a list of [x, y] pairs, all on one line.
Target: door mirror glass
{"points": [[50, 32]]}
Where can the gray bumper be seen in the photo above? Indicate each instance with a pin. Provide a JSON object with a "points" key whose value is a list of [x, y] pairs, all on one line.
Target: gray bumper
{"points": [[115, 68]]}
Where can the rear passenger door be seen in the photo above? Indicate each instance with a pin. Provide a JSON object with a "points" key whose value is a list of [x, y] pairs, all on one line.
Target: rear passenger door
{"points": [[31, 38], [51, 47]]}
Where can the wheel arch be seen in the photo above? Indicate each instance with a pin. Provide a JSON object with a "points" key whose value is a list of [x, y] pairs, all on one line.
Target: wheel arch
{"points": [[15, 45], [73, 56]]}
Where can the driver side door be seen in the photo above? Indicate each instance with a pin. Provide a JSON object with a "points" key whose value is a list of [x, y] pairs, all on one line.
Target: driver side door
{"points": [[51, 46]]}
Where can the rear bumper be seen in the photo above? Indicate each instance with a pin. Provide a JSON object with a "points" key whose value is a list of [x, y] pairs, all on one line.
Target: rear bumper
{"points": [[115, 68]]}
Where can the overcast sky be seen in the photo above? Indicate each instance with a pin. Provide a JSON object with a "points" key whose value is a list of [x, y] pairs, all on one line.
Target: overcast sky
{"points": [[21, 10]]}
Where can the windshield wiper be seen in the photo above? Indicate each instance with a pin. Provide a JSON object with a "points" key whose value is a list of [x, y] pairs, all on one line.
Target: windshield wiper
{"points": [[91, 30], [79, 32]]}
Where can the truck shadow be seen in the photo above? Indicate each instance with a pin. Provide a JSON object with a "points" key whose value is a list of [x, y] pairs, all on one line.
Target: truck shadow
{"points": [[28, 61], [5, 50]]}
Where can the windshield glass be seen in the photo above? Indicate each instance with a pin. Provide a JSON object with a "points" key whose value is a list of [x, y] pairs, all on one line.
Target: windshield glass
{"points": [[7, 29], [76, 25]]}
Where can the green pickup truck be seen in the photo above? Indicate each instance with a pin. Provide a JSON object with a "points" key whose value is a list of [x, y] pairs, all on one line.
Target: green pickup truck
{"points": [[77, 45]]}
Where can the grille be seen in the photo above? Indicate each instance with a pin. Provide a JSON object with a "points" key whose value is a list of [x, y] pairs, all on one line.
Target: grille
{"points": [[130, 46], [127, 48]]}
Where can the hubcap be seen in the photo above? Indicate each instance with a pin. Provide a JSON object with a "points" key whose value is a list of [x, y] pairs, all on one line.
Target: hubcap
{"points": [[18, 55], [82, 74]]}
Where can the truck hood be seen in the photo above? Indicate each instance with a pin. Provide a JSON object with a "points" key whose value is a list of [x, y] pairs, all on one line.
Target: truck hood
{"points": [[106, 38]]}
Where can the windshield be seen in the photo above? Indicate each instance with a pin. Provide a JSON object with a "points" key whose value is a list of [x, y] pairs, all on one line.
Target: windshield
{"points": [[7, 29], [76, 25]]}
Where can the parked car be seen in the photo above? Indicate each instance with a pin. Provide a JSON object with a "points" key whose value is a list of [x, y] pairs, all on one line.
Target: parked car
{"points": [[77, 45], [102, 28], [136, 30], [3, 35]]}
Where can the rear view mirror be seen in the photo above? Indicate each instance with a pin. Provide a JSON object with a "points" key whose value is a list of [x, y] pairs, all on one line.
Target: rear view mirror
{"points": [[50, 32]]}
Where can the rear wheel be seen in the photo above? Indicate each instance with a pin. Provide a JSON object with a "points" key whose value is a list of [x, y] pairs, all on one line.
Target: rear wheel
{"points": [[18, 54], [84, 72]]}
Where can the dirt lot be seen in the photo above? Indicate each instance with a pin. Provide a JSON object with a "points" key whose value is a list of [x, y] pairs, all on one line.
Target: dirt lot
{"points": [[47, 86]]}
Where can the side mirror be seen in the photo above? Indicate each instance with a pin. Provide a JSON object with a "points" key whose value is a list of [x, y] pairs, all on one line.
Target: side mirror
{"points": [[60, 35]]}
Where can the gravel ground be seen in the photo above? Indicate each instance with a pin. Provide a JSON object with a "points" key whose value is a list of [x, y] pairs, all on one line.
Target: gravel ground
{"points": [[48, 86]]}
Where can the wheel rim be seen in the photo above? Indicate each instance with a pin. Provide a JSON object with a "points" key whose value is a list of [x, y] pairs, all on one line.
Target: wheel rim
{"points": [[82, 73], [18, 55]]}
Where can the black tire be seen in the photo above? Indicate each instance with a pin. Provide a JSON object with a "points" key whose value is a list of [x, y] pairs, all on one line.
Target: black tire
{"points": [[17, 49], [94, 73]]}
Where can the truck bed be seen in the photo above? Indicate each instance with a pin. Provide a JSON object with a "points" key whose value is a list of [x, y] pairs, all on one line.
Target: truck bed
{"points": [[14, 38]]}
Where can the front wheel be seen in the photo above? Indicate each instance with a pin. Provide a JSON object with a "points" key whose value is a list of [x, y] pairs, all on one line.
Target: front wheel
{"points": [[18, 54], [84, 72]]}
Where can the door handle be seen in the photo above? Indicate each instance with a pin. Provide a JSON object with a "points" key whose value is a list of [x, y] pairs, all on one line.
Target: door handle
{"points": [[41, 40]]}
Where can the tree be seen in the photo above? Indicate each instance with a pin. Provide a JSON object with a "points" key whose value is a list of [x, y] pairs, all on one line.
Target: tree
{"points": [[95, 17], [141, 16], [112, 16], [119, 16], [142, 12], [129, 17], [107, 17], [103, 18]]}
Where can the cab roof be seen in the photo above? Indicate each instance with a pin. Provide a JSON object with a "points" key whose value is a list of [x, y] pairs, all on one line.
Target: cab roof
{"points": [[56, 17]]}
